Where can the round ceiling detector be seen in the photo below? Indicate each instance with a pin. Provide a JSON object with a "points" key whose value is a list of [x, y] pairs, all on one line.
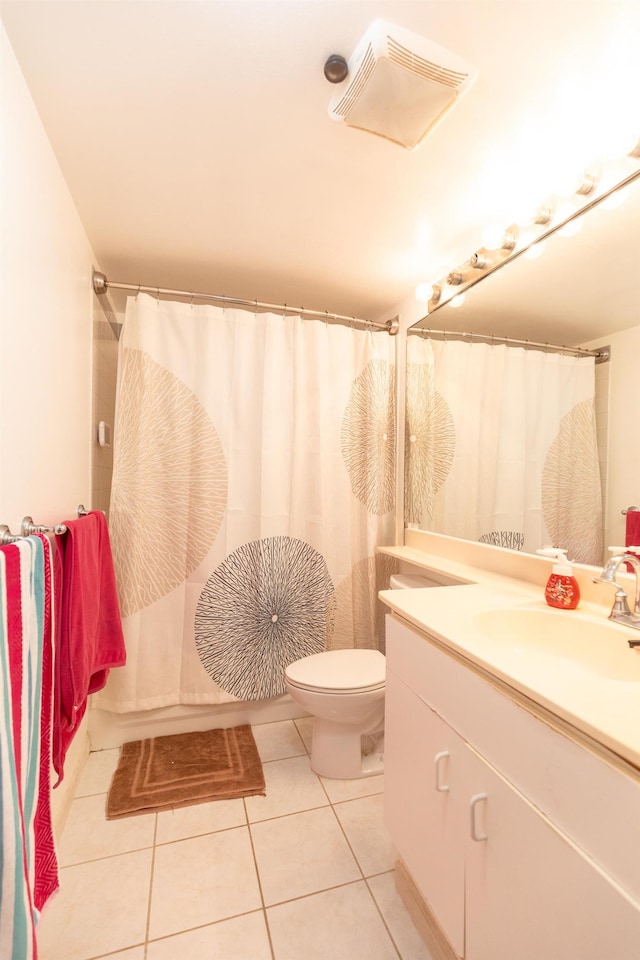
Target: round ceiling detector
{"points": [[336, 68]]}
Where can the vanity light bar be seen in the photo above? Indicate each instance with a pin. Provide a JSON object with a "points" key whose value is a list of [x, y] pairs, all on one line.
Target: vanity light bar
{"points": [[485, 261]]}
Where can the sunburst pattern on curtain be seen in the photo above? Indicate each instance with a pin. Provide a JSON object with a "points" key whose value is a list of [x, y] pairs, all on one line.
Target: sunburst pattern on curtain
{"points": [[368, 437], [359, 620], [571, 488], [430, 442], [265, 606], [510, 539], [169, 464]]}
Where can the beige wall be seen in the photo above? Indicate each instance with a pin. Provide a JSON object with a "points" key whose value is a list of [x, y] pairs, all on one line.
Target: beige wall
{"points": [[45, 325], [45, 340]]}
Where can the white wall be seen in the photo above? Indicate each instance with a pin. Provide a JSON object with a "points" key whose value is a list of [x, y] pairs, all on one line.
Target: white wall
{"points": [[46, 321]]}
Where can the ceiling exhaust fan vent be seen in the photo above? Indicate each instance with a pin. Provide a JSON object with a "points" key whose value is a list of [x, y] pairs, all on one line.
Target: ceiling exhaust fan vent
{"points": [[399, 85]]}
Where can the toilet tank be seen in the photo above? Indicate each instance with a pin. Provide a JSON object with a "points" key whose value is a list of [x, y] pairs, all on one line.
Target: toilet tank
{"points": [[409, 581]]}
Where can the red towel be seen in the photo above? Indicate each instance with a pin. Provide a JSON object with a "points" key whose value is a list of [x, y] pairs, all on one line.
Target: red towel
{"points": [[89, 639], [632, 536]]}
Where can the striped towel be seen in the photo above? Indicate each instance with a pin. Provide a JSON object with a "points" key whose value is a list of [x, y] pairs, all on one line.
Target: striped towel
{"points": [[46, 860], [25, 814]]}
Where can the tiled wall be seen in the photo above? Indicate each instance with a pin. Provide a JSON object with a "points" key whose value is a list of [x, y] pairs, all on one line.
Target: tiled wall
{"points": [[105, 361]]}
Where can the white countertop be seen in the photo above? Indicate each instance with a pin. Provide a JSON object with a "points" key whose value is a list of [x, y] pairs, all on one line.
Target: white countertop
{"points": [[603, 704]]}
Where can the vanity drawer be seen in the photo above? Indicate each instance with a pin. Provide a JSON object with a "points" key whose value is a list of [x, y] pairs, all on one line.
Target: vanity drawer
{"points": [[591, 800]]}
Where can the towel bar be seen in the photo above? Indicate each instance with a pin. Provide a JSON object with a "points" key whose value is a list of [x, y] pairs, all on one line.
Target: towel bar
{"points": [[28, 528]]}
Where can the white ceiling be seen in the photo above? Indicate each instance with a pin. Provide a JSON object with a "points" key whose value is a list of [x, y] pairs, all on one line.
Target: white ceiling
{"points": [[195, 139]]}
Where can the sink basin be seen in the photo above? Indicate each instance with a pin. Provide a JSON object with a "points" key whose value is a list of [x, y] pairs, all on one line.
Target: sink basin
{"points": [[587, 643]]}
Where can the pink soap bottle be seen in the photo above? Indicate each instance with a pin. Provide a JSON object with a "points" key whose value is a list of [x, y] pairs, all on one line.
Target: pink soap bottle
{"points": [[562, 590]]}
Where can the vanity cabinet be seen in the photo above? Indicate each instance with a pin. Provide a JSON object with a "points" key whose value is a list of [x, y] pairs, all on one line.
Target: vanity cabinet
{"points": [[498, 877]]}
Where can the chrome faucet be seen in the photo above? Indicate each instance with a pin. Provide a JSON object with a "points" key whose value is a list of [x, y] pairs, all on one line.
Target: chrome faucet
{"points": [[620, 612]]}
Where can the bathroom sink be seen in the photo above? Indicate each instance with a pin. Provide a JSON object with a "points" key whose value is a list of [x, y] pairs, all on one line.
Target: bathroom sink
{"points": [[585, 642]]}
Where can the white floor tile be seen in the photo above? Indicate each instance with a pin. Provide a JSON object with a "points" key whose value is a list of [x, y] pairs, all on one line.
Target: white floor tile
{"points": [[362, 822], [341, 924], [339, 790], [88, 835], [201, 818], [243, 938], [304, 726], [136, 953], [98, 772], [301, 854], [101, 907], [276, 741], [202, 880], [406, 937], [291, 787]]}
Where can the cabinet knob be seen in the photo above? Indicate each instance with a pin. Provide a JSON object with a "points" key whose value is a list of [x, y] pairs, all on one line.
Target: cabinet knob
{"points": [[441, 786], [476, 834]]}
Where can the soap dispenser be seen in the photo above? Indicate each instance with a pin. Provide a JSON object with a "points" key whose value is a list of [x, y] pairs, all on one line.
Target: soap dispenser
{"points": [[562, 588]]}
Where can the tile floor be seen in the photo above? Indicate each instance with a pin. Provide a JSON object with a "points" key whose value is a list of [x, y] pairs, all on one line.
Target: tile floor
{"points": [[304, 873]]}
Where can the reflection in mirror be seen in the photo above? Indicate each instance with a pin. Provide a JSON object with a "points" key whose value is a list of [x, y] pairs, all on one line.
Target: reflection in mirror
{"points": [[503, 444]]}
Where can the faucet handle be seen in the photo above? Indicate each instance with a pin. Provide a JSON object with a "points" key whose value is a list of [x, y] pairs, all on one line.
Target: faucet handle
{"points": [[620, 604]]}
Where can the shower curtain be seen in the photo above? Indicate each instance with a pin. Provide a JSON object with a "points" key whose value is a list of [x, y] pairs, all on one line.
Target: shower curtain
{"points": [[501, 446], [253, 479]]}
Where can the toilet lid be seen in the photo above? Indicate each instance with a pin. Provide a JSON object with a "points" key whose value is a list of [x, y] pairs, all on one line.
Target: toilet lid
{"points": [[339, 671]]}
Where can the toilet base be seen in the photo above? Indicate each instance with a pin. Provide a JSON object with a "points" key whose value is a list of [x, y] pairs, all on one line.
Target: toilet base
{"points": [[337, 754]]}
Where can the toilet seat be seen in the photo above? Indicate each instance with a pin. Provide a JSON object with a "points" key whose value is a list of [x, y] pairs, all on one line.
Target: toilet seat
{"points": [[339, 671]]}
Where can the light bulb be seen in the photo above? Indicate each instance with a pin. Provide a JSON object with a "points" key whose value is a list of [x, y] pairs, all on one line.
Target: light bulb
{"points": [[457, 301], [615, 199], [571, 227], [493, 236], [526, 212], [534, 251], [567, 183], [424, 292]]}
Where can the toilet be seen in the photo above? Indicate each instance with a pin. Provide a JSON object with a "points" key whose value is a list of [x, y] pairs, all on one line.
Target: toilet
{"points": [[344, 692]]}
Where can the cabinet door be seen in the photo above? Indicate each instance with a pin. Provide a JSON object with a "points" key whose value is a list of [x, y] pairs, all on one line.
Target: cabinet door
{"points": [[530, 893], [422, 772]]}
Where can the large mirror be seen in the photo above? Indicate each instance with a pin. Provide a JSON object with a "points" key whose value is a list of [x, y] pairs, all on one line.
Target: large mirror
{"points": [[522, 447]]}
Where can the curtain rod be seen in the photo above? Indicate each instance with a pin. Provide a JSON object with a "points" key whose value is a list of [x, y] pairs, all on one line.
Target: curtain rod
{"points": [[601, 356], [101, 285]]}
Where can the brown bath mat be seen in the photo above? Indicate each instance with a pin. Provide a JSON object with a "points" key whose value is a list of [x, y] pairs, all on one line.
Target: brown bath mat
{"points": [[167, 772]]}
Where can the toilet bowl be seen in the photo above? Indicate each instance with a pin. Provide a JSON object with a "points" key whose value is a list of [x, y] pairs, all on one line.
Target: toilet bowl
{"points": [[344, 692]]}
